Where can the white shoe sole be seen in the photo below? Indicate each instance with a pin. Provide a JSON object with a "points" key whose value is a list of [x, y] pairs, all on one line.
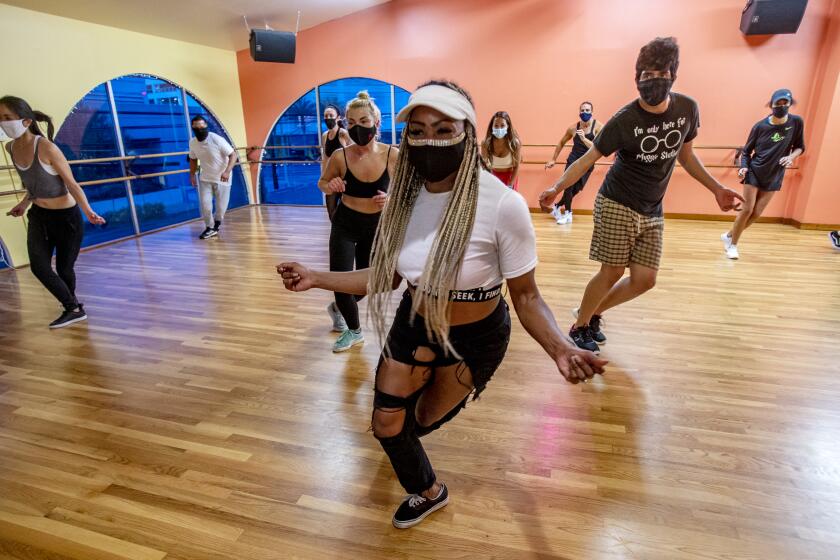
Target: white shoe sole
{"points": [[68, 323], [413, 522], [346, 348]]}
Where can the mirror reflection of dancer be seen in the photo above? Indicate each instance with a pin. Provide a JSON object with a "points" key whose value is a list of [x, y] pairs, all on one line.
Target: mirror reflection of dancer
{"points": [[449, 227], [773, 145], [334, 138], [650, 134], [582, 134]]}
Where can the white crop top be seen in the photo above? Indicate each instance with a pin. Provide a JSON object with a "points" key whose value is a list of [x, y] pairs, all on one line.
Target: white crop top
{"points": [[503, 243], [501, 162]]}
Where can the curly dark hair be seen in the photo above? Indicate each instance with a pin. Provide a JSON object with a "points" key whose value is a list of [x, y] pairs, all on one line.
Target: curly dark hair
{"points": [[662, 53]]}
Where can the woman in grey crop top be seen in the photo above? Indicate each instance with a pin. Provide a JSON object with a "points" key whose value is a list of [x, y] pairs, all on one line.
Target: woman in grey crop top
{"points": [[55, 220]]}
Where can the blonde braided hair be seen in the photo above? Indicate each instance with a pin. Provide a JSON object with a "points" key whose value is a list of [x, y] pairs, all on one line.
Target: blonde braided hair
{"points": [[443, 264]]}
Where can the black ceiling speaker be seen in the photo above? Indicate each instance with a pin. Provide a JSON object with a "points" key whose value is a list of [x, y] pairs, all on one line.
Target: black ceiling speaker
{"points": [[772, 17], [272, 46]]}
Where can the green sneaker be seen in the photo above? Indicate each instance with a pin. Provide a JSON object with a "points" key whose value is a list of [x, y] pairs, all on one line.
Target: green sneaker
{"points": [[348, 340]]}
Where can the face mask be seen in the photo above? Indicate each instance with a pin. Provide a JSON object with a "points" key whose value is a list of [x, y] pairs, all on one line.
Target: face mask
{"points": [[585, 117], [436, 163], [500, 132], [201, 134], [362, 135], [780, 111], [655, 90], [330, 123], [13, 129]]}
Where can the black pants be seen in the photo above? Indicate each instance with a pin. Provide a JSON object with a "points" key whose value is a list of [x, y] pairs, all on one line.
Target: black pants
{"points": [[481, 345], [351, 240], [569, 194], [60, 231], [332, 201]]}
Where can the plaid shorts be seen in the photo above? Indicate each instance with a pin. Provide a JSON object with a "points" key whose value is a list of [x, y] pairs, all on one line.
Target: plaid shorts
{"points": [[622, 236]]}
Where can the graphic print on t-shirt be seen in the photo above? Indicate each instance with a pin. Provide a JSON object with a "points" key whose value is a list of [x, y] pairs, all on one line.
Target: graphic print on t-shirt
{"points": [[660, 141]]}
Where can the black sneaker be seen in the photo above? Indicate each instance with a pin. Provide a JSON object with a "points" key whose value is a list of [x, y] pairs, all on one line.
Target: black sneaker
{"points": [[595, 323], [595, 327], [582, 336], [835, 238], [216, 225], [416, 508], [69, 317], [208, 233]]}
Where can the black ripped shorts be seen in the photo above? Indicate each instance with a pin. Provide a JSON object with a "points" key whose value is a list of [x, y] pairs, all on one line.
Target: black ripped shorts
{"points": [[481, 344]]}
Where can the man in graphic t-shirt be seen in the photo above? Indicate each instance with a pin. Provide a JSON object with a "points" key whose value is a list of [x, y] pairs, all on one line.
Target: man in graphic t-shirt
{"points": [[217, 159], [649, 135]]}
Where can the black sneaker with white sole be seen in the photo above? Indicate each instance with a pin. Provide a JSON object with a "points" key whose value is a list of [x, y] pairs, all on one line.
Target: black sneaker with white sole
{"points": [[69, 317], [208, 233], [582, 336], [835, 238], [595, 324], [416, 508]]}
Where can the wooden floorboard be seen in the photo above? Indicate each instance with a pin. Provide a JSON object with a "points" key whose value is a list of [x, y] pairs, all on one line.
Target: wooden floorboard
{"points": [[199, 413]]}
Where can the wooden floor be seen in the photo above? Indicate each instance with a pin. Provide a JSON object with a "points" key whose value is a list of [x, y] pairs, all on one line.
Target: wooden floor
{"points": [[199, 413]]}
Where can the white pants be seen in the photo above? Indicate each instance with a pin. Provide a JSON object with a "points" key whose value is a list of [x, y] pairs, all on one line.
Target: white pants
{"points": [[206, 191]]}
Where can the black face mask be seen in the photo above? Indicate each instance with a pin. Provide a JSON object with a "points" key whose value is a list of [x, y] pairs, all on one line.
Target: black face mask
{"points": [[330, 123], [655, 90], [780, 111], [201, 133], [436, 163], [362, 135]]}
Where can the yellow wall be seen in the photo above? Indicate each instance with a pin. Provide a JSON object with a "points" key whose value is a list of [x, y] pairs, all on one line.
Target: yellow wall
{"points": [[52, 62]]}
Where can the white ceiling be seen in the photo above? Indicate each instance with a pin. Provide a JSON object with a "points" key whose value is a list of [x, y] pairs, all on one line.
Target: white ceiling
{"points": [[217, 23]]}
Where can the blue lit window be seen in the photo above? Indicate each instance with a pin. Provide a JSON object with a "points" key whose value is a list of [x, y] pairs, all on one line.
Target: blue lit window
{"points": [[283, 182], [152, 118]]}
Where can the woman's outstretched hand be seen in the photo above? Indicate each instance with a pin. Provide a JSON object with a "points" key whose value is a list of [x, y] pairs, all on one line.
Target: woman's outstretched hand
{"points": [[578, 365], [296, 277]]}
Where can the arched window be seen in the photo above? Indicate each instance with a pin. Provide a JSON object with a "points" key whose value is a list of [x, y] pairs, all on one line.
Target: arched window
{"points": [[290, 175], [138, 115]]}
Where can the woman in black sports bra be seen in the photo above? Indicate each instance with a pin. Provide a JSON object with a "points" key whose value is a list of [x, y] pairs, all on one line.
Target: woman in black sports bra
{"points": [[582, 134], [334, 138], [360, 173]]}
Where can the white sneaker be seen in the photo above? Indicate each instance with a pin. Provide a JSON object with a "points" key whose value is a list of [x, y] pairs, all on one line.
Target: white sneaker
{"points": [[339, 324], [732, 252], [563, 218], [555, 214], [727, 241], [569, 217]]}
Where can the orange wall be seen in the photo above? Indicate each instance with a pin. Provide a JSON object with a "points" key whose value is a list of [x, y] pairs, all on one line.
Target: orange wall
{"points": [[538, 59], [818, 202]]}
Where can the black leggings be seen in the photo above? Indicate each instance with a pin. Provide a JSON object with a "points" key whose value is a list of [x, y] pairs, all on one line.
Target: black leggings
{"points": [[60, 231], [569, 194], [351, 239]]}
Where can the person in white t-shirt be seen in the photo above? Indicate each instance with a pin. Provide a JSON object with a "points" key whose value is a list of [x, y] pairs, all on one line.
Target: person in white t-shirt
{"points": [[217, 159], [448, 227]]}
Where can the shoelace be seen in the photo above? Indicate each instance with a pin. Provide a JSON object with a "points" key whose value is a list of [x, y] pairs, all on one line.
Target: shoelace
{"points": [[415, 500]]}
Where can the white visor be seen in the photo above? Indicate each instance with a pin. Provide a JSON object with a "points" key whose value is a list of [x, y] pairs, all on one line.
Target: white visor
{"points": [[441, 98]]}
